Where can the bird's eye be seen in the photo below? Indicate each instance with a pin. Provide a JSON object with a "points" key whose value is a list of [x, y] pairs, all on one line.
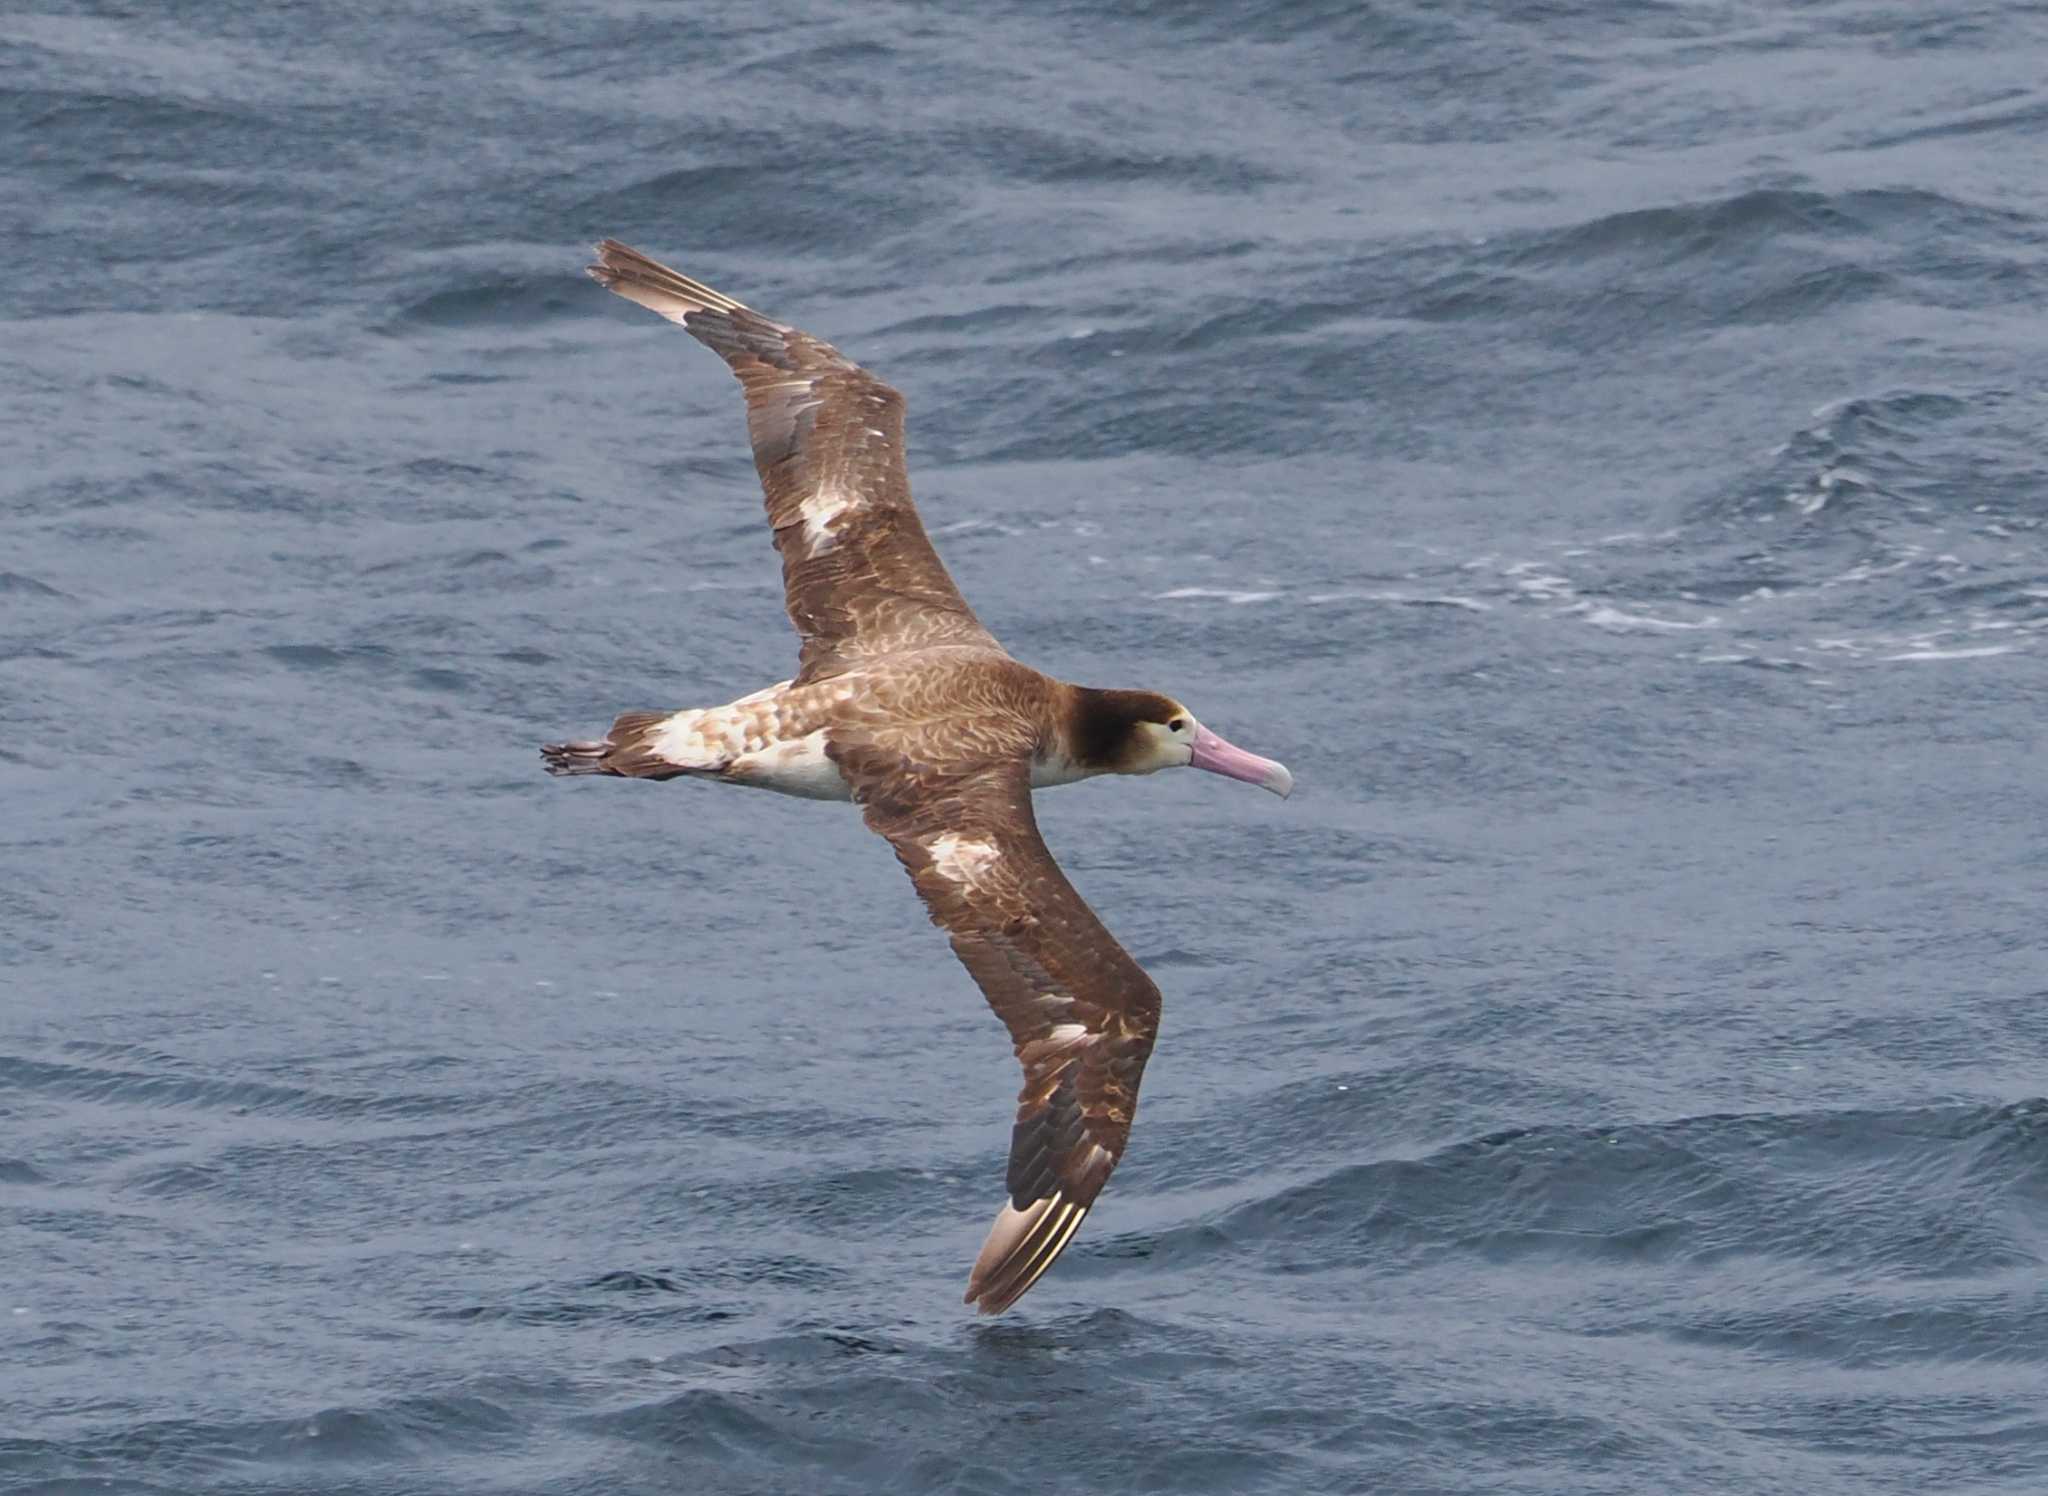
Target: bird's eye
{"points": [[1178, 724]]}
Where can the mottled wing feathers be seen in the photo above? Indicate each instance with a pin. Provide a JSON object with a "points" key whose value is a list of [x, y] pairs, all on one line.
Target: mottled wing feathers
{"points": [[859, 574], [1081, 1013]]}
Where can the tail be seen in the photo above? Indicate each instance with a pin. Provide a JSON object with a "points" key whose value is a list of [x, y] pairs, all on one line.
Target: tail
{"points": [[627, 751]]}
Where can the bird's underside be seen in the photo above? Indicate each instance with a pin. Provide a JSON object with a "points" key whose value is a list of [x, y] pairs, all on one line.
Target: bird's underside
{"points": [[773, 739], [906, 705]]}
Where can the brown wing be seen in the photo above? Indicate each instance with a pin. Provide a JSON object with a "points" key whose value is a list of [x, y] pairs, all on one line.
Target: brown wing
{"points": [[1081, 1013], [859, 574]]}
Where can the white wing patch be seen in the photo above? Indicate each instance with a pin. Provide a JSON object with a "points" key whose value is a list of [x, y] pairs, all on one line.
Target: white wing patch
{"points": [[1058, 1042], [819, 511], [962, 859]]}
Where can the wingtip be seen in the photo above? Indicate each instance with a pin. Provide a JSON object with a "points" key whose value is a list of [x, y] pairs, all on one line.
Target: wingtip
{"points": [[605, 269], [641, 278], [1021, 1245]]}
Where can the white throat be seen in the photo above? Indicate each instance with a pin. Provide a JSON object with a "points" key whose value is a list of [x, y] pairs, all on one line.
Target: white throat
{"points": [[1057, 769]]}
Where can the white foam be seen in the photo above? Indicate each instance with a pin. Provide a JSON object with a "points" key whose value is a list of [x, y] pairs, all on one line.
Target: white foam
{"points": [[1528, 580], [1970, 652], [1225, 594], [1601, 616], [973, 527], [1405, 599], [1762, 661]]}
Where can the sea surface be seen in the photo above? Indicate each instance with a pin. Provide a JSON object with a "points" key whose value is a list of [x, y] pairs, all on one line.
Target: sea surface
{"points": [[1600, 445]]}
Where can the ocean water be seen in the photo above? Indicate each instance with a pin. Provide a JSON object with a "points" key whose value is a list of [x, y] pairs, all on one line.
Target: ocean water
{"points": [[1602, 446]]}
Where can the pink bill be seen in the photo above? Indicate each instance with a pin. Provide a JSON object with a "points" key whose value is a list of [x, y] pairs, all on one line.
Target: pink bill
{"points": [[1231, 761]]}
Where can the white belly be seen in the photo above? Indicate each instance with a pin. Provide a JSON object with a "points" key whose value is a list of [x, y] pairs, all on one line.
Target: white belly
{"points": [[758, 741], [797, 766]]}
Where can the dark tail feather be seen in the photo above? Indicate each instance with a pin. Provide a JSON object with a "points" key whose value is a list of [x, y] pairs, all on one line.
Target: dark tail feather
{"points": [[624, 751]]}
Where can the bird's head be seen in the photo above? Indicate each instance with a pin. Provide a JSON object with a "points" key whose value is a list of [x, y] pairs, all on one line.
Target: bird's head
{"points": [[1142, 732]]}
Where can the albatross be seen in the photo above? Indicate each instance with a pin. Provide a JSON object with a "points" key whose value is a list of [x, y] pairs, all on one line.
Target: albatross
{"points": [[905, 705]]}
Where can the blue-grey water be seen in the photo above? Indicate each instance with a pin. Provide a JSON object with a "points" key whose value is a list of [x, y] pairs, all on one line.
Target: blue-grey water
{"points": [[1601, 446]]}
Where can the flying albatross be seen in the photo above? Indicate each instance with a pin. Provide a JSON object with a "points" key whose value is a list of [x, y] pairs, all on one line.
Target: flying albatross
{"points": [[905, 705]]}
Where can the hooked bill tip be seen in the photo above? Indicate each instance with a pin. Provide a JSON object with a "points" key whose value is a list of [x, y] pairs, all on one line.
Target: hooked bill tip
{"points": [[1217, 756]]}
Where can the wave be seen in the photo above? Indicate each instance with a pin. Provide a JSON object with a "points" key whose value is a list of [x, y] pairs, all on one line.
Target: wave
{"points": [[325, 1440], [493, 301], [1923, 1192], [143, 1088], [1728, 229], [769, 198], [21, 585], [1062, 159], [1764, 256]]}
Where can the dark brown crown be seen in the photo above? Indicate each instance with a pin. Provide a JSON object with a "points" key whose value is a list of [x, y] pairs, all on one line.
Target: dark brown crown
{"points": [[1102, 732]]}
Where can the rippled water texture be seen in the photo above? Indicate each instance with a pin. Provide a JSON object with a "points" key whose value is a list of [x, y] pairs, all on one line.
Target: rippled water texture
{"points": [[1599, 446]]}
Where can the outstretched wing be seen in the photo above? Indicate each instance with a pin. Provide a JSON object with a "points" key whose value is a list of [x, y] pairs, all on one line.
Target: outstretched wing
{"points": [[860, 577], [1081, 1013]]}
